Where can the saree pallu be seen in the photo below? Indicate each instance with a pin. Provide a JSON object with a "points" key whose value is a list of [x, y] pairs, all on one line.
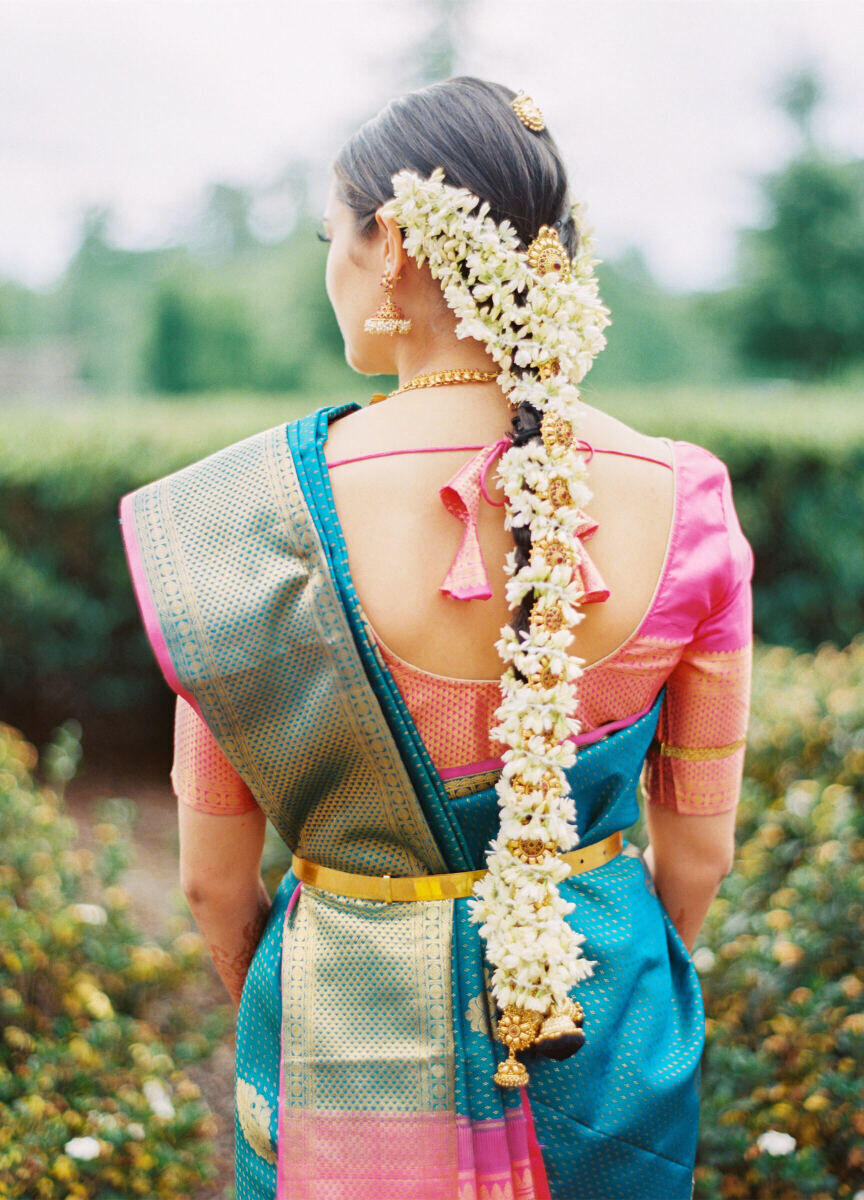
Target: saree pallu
{"points": [[365, 1038]]}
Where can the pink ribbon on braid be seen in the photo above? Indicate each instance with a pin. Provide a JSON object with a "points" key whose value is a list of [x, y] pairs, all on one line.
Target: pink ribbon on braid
{"points": [[468, 578]]}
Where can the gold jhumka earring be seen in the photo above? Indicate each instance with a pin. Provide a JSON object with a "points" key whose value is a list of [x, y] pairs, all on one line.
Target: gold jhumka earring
{"points": [[388, 317]]}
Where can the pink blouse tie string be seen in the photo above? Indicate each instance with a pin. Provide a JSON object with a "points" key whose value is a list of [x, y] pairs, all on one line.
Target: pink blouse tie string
{"points": [[467, 578]]}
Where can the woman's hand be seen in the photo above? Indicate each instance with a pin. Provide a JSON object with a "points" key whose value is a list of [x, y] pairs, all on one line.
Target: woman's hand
{"points": [[220, 864], [688, 857]]}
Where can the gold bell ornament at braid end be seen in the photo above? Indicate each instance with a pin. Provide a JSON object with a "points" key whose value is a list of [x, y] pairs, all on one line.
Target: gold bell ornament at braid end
{"points": [[561, 1033], [517, 1029]]}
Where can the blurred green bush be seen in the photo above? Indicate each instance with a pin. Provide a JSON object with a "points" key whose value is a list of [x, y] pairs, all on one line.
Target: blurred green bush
{"points": [[70, 638], [93, 1098], [780, 954]]}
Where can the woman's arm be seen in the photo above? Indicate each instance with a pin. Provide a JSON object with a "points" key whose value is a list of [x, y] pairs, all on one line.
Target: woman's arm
{"points": [[220, 865], [688, 857]]}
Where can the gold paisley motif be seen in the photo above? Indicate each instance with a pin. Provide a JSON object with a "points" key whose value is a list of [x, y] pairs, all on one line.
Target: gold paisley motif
{"points": [[477, 1014], [255, 1113]]}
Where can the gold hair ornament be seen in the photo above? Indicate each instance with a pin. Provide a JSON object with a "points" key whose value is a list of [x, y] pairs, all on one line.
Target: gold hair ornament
{"points": [[528, 112], [547, 256]]}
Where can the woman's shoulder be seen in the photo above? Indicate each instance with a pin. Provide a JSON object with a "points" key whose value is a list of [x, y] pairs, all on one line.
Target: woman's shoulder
{"points": [[706, 494], [702, 482], [700, 467], [709, 557]]}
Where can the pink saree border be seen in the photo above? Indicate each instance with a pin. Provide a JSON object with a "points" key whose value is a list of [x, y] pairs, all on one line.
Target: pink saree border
{"points": [[146, 607], [501, 1159]]}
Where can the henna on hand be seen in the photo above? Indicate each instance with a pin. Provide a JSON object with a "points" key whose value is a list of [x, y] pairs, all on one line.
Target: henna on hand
{"points": [[233, 964]]}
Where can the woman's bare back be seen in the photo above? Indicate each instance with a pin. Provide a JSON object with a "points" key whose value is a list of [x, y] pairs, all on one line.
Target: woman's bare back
{"points": [[401, 540]]}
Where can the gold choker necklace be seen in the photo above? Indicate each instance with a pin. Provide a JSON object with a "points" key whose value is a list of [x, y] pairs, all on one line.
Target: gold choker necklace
{"points": [[437, 379]]}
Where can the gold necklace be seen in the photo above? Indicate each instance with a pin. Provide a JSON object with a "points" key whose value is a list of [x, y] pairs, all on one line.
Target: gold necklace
{"points": [[438, 378]]}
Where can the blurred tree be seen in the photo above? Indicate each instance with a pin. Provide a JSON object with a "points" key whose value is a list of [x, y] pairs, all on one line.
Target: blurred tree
{"points": [[655, 336], [21, 313], [102, 299], [799, 306], [259, 320], [225, 227], [202, 340], [799, 95], [438, 50]]}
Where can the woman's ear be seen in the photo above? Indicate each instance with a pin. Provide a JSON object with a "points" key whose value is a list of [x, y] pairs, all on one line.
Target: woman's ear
{"points": [[394, 251]]}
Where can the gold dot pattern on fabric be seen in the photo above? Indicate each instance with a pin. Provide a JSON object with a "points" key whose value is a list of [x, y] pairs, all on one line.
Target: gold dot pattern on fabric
{"points": [[375, 977], [453, 716], [645, 1034], [272, 660], [621, 685]]}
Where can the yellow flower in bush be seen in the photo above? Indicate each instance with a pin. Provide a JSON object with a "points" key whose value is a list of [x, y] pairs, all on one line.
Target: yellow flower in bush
{"points": [[87, 992], [116, 897], [142, 1159], [18, 1039], [105, 833], [787, 954], [189, 944], [147, 962], [187, 1090], [64, 1169], [71, 1100], [851, 986], [12, 962], [83, 1053], [34, 1106]]}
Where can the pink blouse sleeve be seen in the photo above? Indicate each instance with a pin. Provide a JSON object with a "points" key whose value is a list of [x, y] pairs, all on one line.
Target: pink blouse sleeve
{"points": [[202, 776], [696, 762]]}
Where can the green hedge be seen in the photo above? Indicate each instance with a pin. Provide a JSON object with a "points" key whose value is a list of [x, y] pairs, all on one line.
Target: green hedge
{"points": [[94, 1100], [70, 637], [70, 641]]}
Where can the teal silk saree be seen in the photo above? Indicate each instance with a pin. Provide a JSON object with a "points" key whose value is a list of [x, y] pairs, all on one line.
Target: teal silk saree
{"points": [[365, 1039]]}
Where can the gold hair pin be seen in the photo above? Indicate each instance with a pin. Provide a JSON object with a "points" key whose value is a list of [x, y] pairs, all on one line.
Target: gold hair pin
{"points": [[546, 255], [528, 112]]}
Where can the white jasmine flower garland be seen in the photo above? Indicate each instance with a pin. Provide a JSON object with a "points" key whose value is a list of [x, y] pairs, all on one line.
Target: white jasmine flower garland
{"points": [[552, 322]]}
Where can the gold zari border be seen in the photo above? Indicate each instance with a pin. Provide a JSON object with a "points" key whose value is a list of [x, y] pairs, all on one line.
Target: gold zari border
{"points": [[703, 754]]}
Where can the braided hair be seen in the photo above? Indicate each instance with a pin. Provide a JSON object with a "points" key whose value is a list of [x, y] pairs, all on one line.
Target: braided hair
{"points": [[467, 126]]}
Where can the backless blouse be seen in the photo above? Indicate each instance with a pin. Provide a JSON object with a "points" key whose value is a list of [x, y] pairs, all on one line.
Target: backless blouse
{"points": [[694, 638]]}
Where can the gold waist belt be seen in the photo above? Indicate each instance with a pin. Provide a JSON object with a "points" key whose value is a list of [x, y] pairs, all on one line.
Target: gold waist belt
{"points": [[398, 888]]}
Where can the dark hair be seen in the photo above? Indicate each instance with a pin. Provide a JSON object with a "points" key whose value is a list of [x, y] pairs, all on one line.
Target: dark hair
{"points": [[467, 127]]}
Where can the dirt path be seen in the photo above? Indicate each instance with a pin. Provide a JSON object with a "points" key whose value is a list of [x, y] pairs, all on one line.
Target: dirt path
{"points": [[153, 883]]}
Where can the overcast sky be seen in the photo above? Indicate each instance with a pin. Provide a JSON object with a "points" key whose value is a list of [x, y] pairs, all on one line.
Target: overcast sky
{"points": [[663, 108]]}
